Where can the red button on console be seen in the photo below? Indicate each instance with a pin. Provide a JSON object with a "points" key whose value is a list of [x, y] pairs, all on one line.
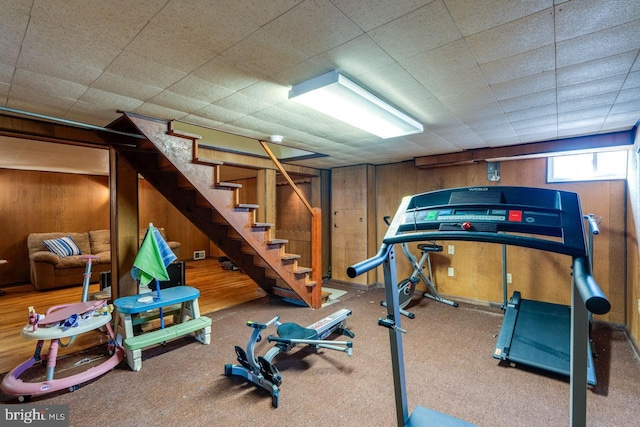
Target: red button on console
{"points": [[515, 216]]}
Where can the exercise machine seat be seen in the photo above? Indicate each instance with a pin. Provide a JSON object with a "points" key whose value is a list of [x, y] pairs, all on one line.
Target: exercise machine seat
{"points": [[293, 331]]}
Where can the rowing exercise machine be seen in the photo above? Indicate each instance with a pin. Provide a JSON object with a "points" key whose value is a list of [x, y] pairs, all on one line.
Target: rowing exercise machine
{"points": [[262, 373]]}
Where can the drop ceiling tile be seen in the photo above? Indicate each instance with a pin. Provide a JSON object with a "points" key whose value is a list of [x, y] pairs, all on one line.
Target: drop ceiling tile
{"points": [[29, 93], [540, 133], [531, 63], [227, 73], [471, 100], [98, 20], [503, 142], [598, 45], [259, 12], [201, 121], [241, 103], [420, 31], [620, 121], [62, 44], [142, 70], [446, 71], [14, 25], [374, 13], [603, 99], [178, 102], [48, 85], [575, 19], [589, 113], [532, 113], [217, 113], [160, 112], [267, 92], [313, 27], [488, 121], [525, 86], [124, 86], [4, 91], [632, 80], [525, 102], [199, 90], [91, 115], [185, 35], [110, 101], [596, 69], [355, 57], [516, 37], [36, 106], [625, 107], [263, 54], [629, 94], [477, 16], [60, 66], [6, 73], [592, 88], [535, 122], [582, 126]]}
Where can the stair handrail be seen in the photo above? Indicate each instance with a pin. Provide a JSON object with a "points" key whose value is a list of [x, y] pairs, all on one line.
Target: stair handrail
{"points": [[316, 225], [286, 175]]}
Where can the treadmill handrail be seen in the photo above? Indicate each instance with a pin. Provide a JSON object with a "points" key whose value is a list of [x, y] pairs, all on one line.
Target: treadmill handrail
{"points": [[593, 297], [370, 263], [480, 236]]}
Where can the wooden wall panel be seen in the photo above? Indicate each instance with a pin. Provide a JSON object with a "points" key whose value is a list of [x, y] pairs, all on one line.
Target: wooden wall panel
{"points": [[293, 220], [478, 266], [33, 202], [350, 228], [154, 208]]}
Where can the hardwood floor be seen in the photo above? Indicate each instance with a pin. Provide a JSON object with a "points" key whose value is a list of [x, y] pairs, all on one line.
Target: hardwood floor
{"points": [[219, 289]]}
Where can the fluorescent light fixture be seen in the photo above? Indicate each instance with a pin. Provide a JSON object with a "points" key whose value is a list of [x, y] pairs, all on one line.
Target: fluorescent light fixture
{"points": [[337, 96]]}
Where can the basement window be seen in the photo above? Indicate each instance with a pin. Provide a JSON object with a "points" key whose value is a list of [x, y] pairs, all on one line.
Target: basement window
{"points": [[595, 166]]}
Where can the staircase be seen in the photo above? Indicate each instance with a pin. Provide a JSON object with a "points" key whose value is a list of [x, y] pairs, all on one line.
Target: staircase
{"points": [[169, 161]]}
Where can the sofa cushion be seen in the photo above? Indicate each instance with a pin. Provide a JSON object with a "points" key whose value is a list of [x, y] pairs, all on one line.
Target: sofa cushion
{"points": [[63, 246], [100, 241], [35, 241]]}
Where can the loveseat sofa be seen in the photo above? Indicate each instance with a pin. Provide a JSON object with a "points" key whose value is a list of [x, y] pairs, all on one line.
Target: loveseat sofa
{"points": [[49, 270]]}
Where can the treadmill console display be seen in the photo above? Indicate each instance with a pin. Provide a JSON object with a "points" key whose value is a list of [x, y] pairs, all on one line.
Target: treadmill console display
{"points": [[490, 213]]}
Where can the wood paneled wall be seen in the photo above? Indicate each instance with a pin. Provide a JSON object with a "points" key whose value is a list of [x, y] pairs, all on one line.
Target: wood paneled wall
{"points": [[37, 202], [34, 202], [536, 274], [633, 244]]}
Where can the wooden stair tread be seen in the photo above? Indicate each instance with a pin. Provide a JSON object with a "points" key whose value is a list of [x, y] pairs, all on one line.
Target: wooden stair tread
{"points": [[247, 206], [303, 270], [262, 225], [287, 257], [228, 185], [277, 241]]}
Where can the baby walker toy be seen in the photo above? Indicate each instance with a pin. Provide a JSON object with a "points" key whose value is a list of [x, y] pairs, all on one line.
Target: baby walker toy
{"points": [[63, 321], [262, 373]]}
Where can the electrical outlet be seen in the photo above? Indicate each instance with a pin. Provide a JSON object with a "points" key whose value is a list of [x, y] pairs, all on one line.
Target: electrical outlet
{"points": [[199, 255], [450, 271], [451, 250], [509, 278]]}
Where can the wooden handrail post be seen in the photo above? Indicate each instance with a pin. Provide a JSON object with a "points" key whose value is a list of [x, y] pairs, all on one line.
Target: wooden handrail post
{"points": [[316, 257]]}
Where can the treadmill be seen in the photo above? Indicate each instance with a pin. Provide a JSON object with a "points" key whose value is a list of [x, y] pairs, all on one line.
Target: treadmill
{"points": [[538, 334], [536, 218]]}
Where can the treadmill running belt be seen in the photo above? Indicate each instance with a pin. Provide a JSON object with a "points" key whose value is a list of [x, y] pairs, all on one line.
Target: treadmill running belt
{"points": [[542, 338]]}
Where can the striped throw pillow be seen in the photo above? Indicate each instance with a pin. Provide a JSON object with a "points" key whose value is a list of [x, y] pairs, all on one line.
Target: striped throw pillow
{"points": [[63, 247]]}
